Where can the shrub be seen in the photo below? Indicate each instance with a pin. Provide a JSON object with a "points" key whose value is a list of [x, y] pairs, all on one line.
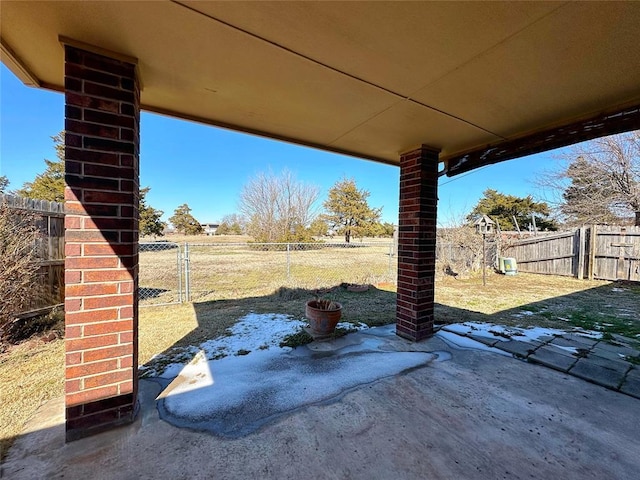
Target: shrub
{"points": [[18, 267]]}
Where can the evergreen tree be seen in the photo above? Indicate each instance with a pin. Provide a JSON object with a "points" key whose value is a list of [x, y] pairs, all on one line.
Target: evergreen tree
{"points": [[231, 225], [150, 223], [503, 208], [48, 185], [318, 227], [184, 222], [4, 183], [348, 212]]}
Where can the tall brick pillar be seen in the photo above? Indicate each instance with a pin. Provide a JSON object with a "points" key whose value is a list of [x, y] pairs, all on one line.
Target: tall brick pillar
{"points": [[101, 241], [417, 243]]}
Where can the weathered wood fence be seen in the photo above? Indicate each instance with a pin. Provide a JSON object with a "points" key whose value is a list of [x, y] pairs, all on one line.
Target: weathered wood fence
{"points": [[49, 247], [600, 252]]}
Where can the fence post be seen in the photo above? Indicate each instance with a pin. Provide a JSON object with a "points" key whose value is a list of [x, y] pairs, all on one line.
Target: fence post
{"points": [[288, 261], [179, 270], [187, 273], [390, 259], [592, 251], [581, 249]]}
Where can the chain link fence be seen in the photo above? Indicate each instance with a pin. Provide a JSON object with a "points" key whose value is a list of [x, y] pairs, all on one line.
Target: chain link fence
{"points": [[160, 278], [455, 259], [175, 273], [172, 273], [219, 271]]}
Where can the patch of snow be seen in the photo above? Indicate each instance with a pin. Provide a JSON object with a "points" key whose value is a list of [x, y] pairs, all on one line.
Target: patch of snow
{"points": [[252, 332], [234, 395], [587, 333], [351, 326], [172, 370], [615, 289], [504, 333], [467, 343], [463, 328]]}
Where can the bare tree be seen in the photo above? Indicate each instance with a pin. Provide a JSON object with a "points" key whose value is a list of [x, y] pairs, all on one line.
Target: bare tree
{"points": [[600, 181], [18, 268], [278, 207]]}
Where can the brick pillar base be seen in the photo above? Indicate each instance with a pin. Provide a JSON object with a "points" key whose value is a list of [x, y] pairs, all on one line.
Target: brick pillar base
{"points": [[101, 241], [417, 243]]}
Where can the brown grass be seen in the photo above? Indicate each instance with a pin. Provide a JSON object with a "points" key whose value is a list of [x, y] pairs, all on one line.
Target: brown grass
{"points": [[540, 300], [31, 374]]}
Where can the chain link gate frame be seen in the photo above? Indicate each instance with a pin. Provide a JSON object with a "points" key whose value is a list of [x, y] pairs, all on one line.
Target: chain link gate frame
{"points": [[160, 274]]}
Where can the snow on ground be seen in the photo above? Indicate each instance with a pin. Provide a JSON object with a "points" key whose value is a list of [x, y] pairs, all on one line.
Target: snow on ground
{"points": [[234, 384], [250, 333], [235, 395], [467, 343], [503, 333]]}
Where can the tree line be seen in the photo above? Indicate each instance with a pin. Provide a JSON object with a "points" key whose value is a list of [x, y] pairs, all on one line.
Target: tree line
{"points": [[598, 182], [280, 209]]}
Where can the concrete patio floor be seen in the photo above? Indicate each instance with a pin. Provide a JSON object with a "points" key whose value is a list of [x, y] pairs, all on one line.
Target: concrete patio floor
{"points": [[466, 413]]}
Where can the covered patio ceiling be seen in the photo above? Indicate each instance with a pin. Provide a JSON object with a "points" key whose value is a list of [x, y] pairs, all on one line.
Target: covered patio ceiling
{"points": [[483, 82]]}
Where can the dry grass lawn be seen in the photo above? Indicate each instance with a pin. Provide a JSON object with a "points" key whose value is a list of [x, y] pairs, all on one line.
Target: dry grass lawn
{"points": [[541, 300], [32, 373]]}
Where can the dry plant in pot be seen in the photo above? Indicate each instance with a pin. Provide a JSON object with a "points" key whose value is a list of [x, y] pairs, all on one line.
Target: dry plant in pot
{"points": [[323, 316]]}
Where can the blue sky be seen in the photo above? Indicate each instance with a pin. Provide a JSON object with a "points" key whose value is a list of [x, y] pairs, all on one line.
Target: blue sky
{"points": [[206, 167]]}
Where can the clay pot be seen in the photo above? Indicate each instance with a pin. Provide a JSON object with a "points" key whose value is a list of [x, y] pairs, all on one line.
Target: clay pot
{"points": [[322, 321]]}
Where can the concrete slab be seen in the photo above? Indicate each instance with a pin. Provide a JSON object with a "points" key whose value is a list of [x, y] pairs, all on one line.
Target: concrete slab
{"points": [[619, 350], [612, 364], [520, 349], [489, 341], [553, 358], [581, 339], [478, 415], [607, 354], [598, 374], [627, 342], [631, 385], [571, 343], [546, 338]]}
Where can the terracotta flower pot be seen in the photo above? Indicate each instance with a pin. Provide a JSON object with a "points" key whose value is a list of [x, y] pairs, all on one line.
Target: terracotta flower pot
{"points": [[321, 320]]}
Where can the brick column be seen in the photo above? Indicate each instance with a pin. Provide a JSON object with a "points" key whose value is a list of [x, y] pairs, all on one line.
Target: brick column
{"points": [[101, 241], [417, 243]]}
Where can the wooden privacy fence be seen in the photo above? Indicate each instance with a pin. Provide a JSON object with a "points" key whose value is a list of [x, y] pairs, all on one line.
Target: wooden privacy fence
{"points": [[49, 218], [601, 252]]}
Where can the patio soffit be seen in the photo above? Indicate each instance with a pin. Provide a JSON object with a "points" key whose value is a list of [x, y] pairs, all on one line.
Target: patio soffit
{"points": [[481, 81]]}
